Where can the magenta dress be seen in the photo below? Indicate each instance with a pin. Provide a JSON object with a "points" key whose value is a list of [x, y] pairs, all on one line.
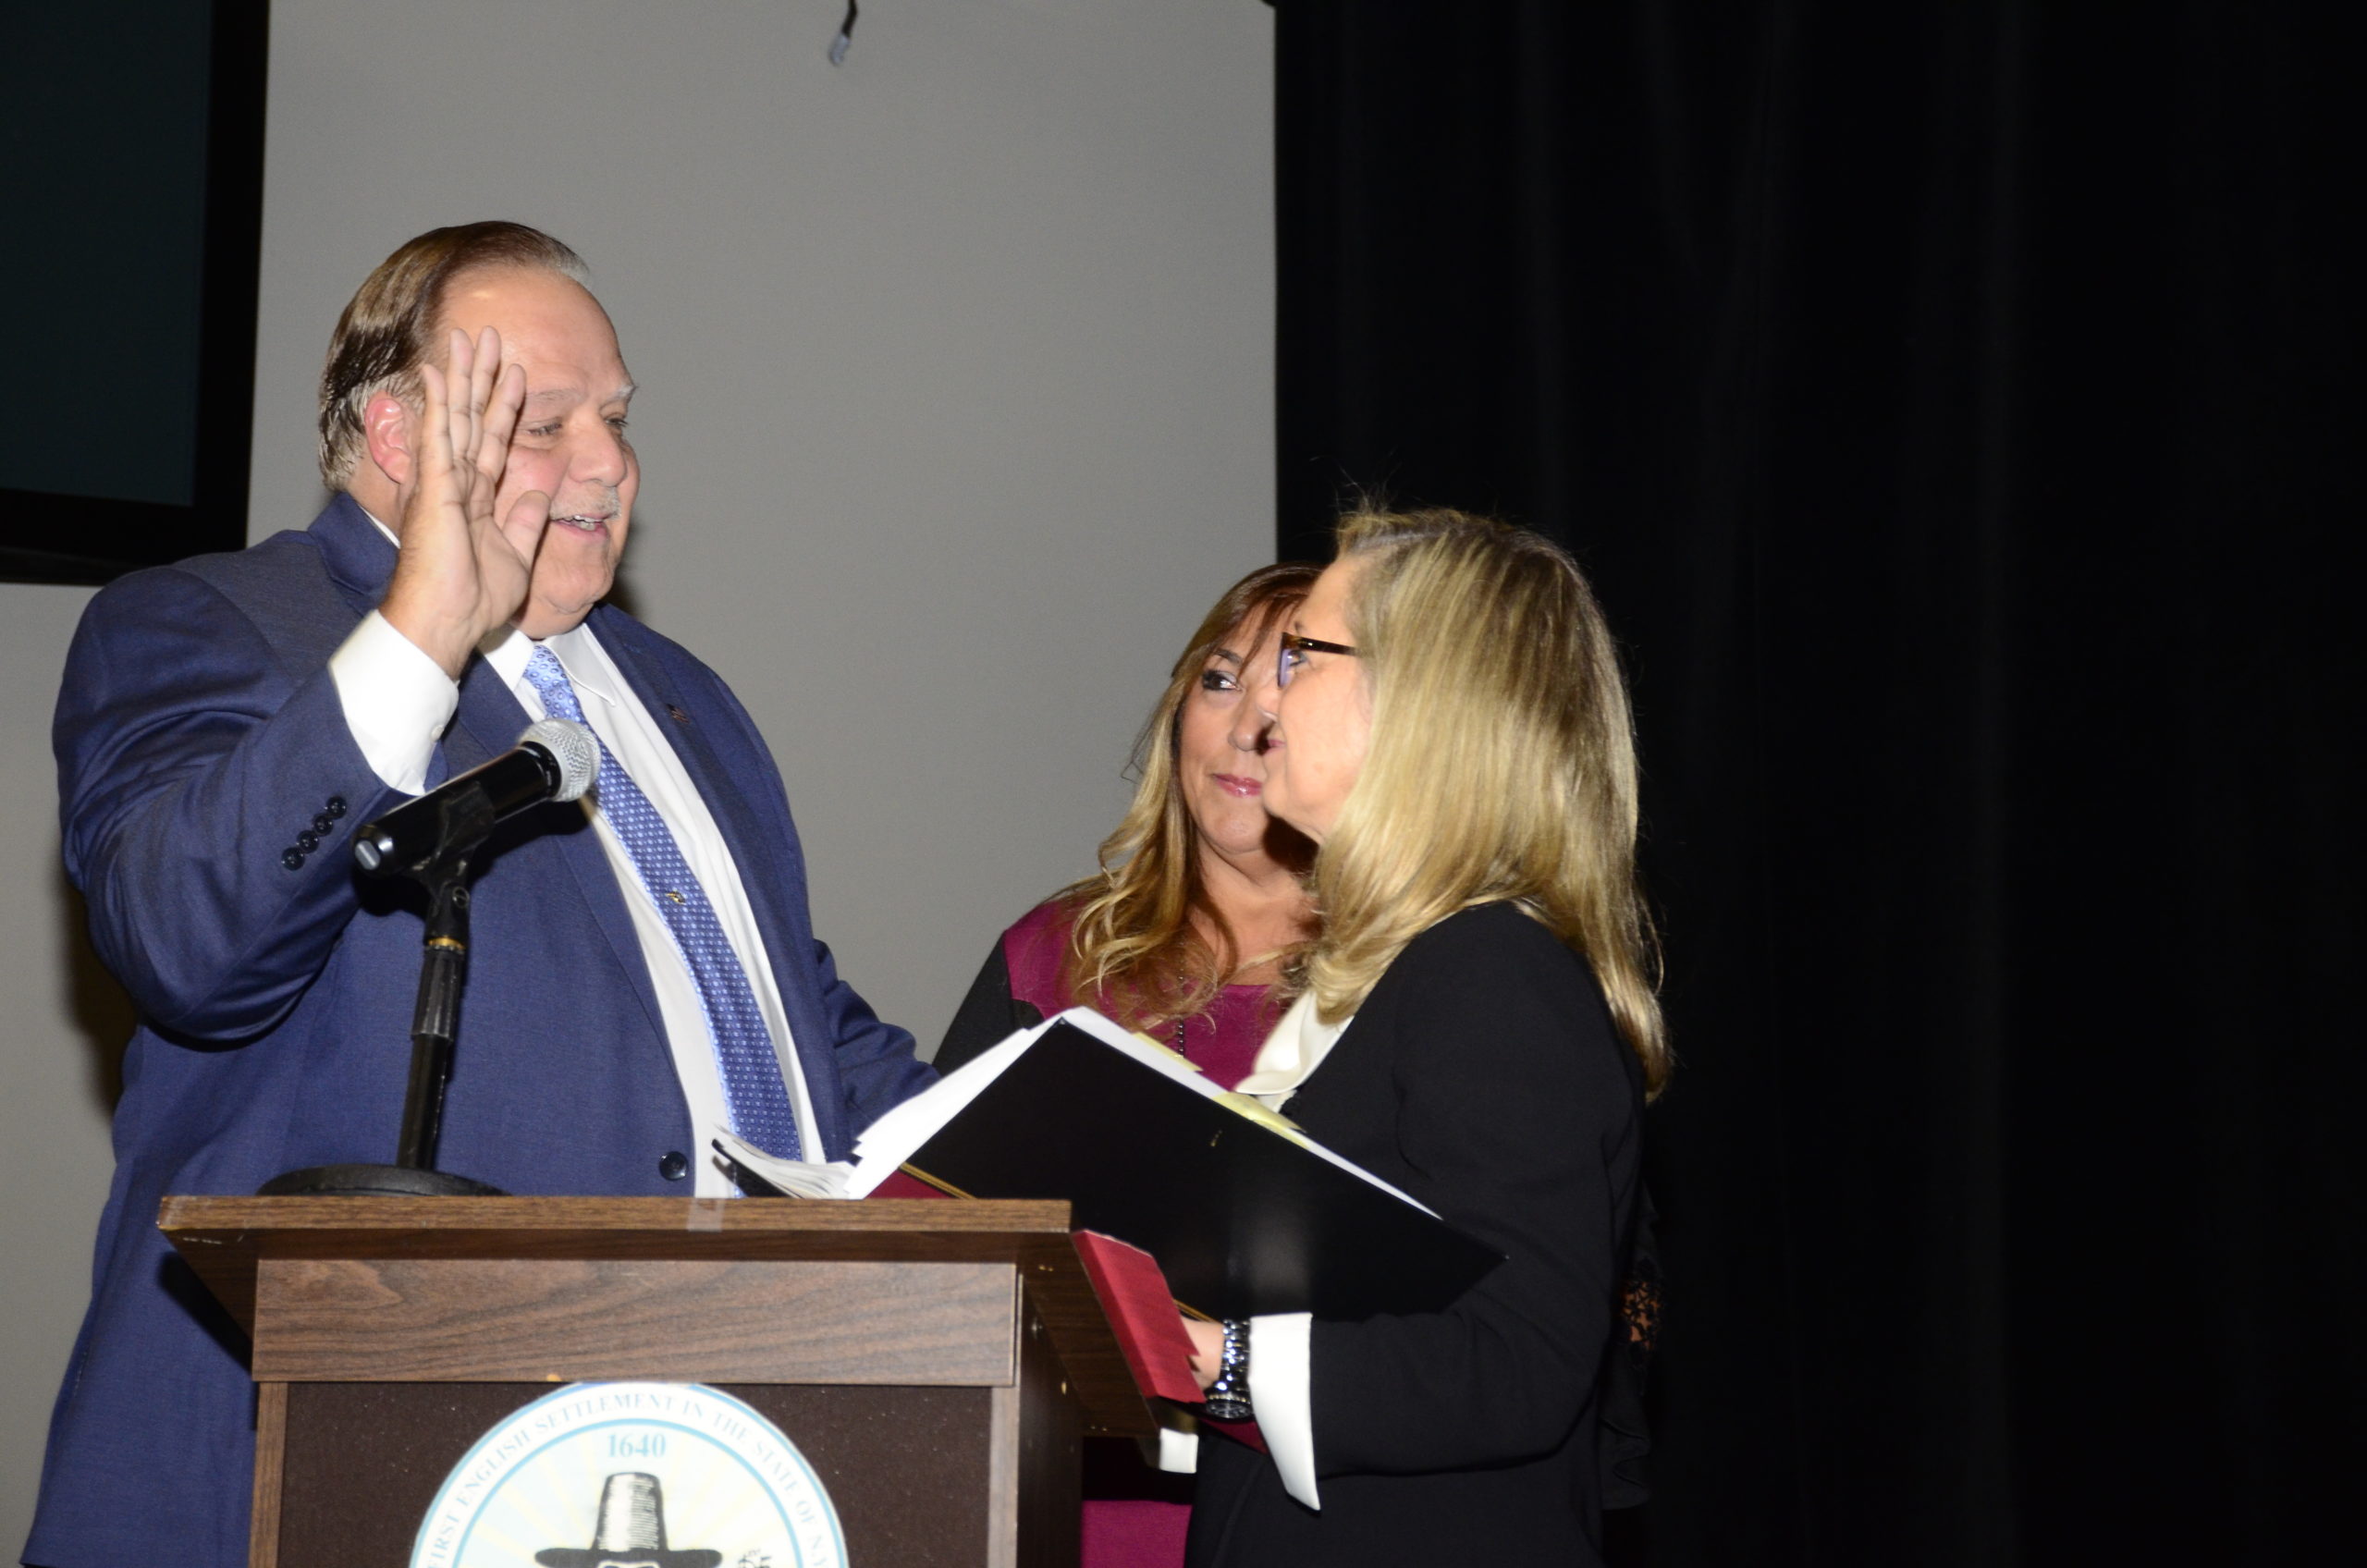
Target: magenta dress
{"points": [[1134, 1516]]}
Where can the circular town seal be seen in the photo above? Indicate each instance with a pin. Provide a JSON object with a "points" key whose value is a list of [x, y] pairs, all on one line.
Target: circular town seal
{"points": [[632, 1476]]}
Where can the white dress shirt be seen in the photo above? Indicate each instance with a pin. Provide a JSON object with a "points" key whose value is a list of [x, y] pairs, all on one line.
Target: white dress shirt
{"points": [[397, 703]]}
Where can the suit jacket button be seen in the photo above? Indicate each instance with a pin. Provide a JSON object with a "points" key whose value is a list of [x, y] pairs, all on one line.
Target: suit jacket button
{"points": [[292, 859], [336, 807], [672, 1166], [308, 842], [323, 823]]}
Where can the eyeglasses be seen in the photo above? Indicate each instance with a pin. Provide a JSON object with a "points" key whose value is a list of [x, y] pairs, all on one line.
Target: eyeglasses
{"points": [[1294, 653]]}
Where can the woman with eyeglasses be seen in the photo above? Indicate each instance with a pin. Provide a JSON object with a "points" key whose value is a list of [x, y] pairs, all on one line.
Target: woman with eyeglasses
{"points": [[1183, 934], [1476, 1024]]}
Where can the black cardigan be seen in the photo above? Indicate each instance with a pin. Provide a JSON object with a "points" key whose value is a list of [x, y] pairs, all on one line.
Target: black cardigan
{"points": [[1482, 1075]]}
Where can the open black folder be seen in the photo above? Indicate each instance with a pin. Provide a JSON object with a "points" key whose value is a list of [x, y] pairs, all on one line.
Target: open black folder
{"points": [[1244, 1216]]}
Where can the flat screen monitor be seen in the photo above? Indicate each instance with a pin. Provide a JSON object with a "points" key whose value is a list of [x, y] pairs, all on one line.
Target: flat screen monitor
{"points": [[131, 131]]}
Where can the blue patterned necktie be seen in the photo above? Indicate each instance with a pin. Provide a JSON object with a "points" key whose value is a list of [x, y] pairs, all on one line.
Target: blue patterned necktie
{"points": [[743, 1049]]}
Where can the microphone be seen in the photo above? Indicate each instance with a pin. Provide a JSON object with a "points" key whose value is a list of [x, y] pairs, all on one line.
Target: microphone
{"points": [[556, 759]]}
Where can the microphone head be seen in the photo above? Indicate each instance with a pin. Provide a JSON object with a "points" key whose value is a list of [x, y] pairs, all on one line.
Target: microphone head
{"points": [[573, 747]]}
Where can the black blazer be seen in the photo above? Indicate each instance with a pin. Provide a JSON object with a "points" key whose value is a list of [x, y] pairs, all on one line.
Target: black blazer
{"points": [[1482, 1075]]}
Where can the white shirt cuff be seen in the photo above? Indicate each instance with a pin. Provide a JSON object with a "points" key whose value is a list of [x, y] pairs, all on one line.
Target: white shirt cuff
{"points": [[1176, 1448], [397, 702], [1279, 1361]]}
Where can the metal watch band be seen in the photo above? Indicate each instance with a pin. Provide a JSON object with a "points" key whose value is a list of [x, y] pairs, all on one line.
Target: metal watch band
{"points": [[1228, 1396]]}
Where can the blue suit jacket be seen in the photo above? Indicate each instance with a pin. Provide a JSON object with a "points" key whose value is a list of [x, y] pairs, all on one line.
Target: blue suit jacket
{"points": [[197, 734]]}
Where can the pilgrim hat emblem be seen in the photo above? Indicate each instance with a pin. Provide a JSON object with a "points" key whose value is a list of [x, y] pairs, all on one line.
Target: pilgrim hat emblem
{"points": [[631, 1532]]}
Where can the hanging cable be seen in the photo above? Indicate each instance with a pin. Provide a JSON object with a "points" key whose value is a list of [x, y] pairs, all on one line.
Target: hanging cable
{"points": [[846, 40]]}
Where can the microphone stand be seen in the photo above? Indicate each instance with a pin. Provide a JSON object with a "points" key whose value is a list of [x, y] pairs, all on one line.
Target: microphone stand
{"points": [[435, 1019]]}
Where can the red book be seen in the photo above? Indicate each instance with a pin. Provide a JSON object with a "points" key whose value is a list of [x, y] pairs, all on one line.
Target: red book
{"points": [[904, 1184], [1141, 1313]]}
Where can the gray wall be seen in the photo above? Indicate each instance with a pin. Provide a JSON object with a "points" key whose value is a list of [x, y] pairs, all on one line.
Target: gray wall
{"points": [[956, 411]]}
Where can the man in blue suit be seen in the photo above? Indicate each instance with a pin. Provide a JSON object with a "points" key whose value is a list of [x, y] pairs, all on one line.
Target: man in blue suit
{"points": [[642, 967]]}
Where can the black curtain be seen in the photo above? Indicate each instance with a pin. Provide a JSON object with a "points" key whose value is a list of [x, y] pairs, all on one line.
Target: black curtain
{"points": [[1955, 406]]}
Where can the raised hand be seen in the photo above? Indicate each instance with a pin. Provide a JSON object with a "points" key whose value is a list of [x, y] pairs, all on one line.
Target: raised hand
{"points": [[463, 572]]}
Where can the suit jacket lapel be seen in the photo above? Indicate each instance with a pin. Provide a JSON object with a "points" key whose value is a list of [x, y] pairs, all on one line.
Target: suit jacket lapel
{"points": [[488, 724], [755, 851]]}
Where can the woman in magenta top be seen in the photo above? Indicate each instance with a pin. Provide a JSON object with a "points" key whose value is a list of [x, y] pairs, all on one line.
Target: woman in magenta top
{"points": [[1181, 935]]}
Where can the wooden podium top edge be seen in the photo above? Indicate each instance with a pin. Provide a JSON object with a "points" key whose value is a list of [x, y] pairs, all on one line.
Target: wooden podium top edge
{"points": [[226, 1240], [191, 1214], [223, 1240]]}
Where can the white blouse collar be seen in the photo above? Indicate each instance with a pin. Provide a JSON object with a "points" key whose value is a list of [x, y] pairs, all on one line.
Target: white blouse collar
{"points": [[1296, 1047]]}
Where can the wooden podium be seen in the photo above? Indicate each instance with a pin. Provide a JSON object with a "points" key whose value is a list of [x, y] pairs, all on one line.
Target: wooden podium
{"points": [[935, 1362]]}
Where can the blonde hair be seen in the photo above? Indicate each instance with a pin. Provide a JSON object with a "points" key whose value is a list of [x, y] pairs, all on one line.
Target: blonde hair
{"points": [[1134, 949], [1502, 763], [388, 328]]}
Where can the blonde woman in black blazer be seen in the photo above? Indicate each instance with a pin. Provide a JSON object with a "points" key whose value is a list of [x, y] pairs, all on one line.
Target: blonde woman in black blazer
{"points": [[1477, 1025]]}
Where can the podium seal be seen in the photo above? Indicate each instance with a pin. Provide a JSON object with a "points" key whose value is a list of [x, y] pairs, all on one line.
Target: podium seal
{"points": [[632, 1476]]}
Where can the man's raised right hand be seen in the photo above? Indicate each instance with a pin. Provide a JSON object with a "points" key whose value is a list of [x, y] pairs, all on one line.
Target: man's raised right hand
{"points": [[461, 572]]}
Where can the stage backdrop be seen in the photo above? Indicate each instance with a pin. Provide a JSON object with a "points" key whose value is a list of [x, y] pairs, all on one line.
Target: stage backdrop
{"points": [[955, 366], [1959, 407]]}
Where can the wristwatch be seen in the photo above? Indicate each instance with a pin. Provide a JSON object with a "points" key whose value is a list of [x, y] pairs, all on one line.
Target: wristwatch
{"points": [[1228, 1396]]}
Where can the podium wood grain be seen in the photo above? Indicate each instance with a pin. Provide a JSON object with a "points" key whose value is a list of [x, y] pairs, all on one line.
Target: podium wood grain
{"points": [[500, 1321], [271, 1452], [231, 1242]]}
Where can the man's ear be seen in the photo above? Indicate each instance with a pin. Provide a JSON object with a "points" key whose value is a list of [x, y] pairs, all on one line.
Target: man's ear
{"points": [[389, 427]]}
